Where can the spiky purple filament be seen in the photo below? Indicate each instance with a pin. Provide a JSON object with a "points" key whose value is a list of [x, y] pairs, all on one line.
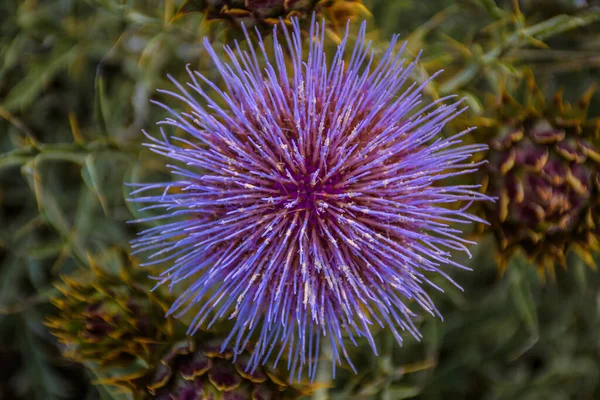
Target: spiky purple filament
{"points": [[312, 196]]}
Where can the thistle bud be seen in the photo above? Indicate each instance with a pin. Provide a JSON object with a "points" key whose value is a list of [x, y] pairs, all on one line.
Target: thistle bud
{"points": [[114, 325], [263, 14], [108, 321], [544, 164]]}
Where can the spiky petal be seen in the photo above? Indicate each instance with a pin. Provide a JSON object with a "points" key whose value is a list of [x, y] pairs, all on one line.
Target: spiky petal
{"points": [[311, 202]]}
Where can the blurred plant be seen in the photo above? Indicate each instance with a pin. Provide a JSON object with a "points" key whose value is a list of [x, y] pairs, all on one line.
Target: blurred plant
{"points": [[530, 342], [70, 76], [544, 168], [263, 14], [30, 365], [479, 44], [505, 338], [554, 7]]}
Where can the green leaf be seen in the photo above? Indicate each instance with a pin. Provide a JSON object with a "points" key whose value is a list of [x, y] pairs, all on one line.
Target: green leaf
{"points": [[26, 91], [461, 78], [521, 295], [92, 180], [522, 298], [560, 24], [37, 368], [100, 101], [47, 204], [12, 159], [473, 101], [190, 6], [50, 207], [397, 392]]}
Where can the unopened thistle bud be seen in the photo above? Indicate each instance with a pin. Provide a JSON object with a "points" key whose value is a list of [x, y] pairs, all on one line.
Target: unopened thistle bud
{"points": [[544, 167]]}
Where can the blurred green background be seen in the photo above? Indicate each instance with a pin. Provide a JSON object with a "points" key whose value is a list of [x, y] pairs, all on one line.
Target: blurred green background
{"points": [[76, 77]]}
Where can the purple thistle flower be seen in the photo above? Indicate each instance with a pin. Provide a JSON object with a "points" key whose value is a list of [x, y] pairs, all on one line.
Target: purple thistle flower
{"points": [[312, 197]]}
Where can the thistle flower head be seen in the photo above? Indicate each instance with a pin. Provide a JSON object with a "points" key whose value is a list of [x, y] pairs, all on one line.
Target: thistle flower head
{"points": [[544, 165], [310, 201]]}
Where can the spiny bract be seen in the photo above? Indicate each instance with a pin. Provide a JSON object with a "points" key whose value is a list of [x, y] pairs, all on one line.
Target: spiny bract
{"points": [[111, 322], [311, 201], [108, 318], [200, 370]]}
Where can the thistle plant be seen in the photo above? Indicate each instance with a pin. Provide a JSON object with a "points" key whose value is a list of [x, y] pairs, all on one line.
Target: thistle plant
{"points": [[544, 164], [311, 199], [75, 79]]}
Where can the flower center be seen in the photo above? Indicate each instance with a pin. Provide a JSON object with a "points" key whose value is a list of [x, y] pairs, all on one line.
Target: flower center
{"points": [[311, 191]]}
